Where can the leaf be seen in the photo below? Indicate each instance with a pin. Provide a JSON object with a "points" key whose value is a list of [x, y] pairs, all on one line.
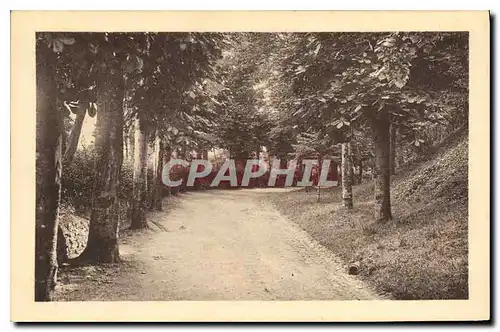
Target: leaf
{"points": [[133, 63], [139, 63], [93, 48], [411, 99], [300, 70], [67, 40], [92, 109], [334, 123], [399, 83], [376, 73], [68, 107], [317, 49], [340, 125], [57, 46], [297, 112], [357, 108]]}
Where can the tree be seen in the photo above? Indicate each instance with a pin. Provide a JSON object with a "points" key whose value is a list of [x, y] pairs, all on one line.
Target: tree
{"points": [[369, 79], [393, 148], [160, 153], [314, 146], [102, 245], [48, 164], [140, 173], [112, 58], [380, 131], [177, 96], [347, 176]]}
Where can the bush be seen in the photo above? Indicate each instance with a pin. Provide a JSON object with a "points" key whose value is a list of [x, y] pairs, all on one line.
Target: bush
{"points": [[78, 182]]}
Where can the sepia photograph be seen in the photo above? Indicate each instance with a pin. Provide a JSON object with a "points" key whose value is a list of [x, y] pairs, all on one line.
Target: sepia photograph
{"points": [[249, 166]]}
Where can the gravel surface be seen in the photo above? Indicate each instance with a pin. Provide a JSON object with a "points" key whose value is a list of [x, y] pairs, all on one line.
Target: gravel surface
{"points": [[217, 245]]}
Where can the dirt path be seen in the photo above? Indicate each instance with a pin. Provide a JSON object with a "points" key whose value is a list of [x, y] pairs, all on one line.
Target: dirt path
{"points": [[218, 245]]}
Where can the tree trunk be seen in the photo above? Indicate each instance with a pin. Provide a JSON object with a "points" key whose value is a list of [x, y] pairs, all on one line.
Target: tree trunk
{"points": [[360, 174], [167, 155], [131, 144], [320, 165], [382, 173], [352, 170], [48, 176], [181, 153], [283, 162], [205, 154], [158, 183], [102, 244], [346, 176], [140, 175], [257, 152], [393, 149], [373, 166], [74, 137], [399, 156], [125, 145]]}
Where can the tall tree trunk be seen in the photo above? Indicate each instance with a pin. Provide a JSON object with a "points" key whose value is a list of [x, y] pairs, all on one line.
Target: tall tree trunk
{"points": [[399, 156], [257, 152], [48, 175], [125, 145], [102, 244], [158, 183], [167, 155], [352, 170], [140, 175], [382, 175], [205, 154], [74, 137], [320, 165], [360, 174], [393, 149], [346, 176], [131, 144], [374, 166]]}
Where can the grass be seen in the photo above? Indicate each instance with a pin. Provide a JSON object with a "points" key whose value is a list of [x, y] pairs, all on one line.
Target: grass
{"points": [[423, 252]]}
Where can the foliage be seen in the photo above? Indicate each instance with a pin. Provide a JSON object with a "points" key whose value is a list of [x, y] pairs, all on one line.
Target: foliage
{"points": [[292, 93], [78, 182], [343, 78]]}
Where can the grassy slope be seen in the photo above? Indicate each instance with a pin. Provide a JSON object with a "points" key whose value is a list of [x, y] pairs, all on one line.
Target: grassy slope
{"points": [[422, 253]]}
